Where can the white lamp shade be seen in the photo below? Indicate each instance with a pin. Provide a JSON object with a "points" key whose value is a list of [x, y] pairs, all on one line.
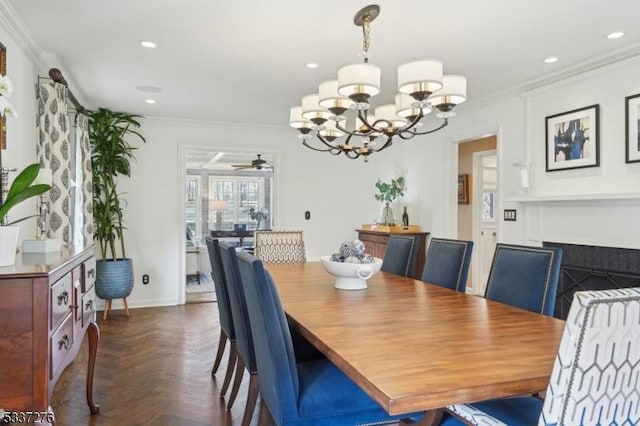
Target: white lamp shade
{"points": [[330, 129], [296, 120], [405, 106], [329, 96], [311, 108], [45, 177], [388, 112], [218, 205], [454, 91], [359, 78], [420, 76]]}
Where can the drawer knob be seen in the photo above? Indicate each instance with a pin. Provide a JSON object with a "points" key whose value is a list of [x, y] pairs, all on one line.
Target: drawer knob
{"points": [[88, 306], [91, 273], [63, 298], [63, 343]]}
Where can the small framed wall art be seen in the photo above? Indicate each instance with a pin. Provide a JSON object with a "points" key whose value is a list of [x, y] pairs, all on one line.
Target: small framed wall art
{"points": [[632, 125], [572, 139], [463, 189]]}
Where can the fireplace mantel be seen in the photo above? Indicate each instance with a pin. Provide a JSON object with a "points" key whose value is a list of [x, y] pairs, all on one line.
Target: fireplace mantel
{"points": [[546, 199]]}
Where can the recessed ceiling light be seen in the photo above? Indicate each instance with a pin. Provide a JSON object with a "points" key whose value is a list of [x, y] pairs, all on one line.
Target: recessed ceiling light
{"points": [[150, 101], [550, 60], [311, 65], [148, 44], [615, 35]]}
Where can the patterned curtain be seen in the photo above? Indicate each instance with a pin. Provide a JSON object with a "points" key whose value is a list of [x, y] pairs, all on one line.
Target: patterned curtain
{"points": [[54, 152], [83, 206]]}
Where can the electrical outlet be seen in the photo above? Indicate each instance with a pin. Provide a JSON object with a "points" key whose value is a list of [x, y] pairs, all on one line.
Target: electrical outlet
{"points": [[307, 215], [145, 279]]}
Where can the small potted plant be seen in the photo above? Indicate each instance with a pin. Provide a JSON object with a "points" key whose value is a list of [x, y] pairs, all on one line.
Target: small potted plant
{"points": [[387, 193], [258, 215], [21, 189]]}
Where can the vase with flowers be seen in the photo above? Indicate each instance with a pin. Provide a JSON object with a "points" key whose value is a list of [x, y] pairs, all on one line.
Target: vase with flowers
{"points": [[259, 215], [387, 193]]}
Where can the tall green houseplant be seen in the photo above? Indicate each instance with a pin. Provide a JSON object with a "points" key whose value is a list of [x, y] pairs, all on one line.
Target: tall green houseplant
{"points": [[111, 156]]}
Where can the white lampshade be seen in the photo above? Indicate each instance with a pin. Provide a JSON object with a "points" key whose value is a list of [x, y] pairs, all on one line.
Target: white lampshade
{"points": [[359, 79], [330, 131], [454, 91], [388, 112], [405, 107], [311, 109], [45, 177], [420, 76], [330, 98], [296, 119], [217, 205]]}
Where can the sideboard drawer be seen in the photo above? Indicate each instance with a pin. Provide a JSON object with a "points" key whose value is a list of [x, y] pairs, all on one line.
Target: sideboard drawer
{"points": [[88, 306], [61, 343], [89, 273], [61, 300]]}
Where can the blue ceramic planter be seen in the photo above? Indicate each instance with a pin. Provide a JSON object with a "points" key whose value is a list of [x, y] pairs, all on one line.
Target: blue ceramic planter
{"points": [[114, 278]]}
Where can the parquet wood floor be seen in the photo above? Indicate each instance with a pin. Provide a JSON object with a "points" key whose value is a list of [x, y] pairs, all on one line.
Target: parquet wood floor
{"points": [[153, 368]]}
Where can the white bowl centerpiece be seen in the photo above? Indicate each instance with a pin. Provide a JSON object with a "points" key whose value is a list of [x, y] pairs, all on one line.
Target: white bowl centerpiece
{"points": [[351, 266]]}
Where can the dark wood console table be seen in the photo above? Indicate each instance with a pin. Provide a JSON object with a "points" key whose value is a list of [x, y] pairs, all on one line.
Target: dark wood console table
{"points": [[48, 305], [240, 235], [375, 243]]}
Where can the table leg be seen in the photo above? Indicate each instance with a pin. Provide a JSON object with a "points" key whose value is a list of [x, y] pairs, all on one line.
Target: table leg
{"points": [[94, 338], [431, 418]]}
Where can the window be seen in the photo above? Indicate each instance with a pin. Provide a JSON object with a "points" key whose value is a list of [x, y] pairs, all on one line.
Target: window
{"points": [[488, 214], [230, 199], [193, 209]]}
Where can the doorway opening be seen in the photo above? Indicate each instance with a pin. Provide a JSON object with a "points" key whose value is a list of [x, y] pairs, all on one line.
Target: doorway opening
{"points": [[478, 220], [225, 195]]}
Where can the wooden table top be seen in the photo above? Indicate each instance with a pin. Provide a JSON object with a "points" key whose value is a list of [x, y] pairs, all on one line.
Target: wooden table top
{"points": [[417, 347]]}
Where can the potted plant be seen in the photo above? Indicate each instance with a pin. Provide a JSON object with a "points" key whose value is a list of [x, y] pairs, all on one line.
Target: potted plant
{"points": [[21, 189], [387, 193], [258, 215], [110, 158]]}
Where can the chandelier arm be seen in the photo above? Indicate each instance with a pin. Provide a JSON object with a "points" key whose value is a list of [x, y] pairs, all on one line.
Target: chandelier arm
{"points": [[352, 154], [366, 123], [330, 146], [387, 144], [413, 123], [304, 142], [342, 129], [444, 123]]}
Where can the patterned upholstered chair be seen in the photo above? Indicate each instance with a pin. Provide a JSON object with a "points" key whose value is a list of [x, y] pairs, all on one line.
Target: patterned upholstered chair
{"points": [[525, 277], [280, 246], [306, 393], [595, 377], [400, 255], [227, 330], [447, 263]]}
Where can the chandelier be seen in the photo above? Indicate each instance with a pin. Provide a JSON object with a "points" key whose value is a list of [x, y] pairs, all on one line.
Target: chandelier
{"points": [[422, 88]]}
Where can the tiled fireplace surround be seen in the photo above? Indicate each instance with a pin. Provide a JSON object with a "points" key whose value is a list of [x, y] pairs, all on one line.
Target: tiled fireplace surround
{"points": [[599, 235]]}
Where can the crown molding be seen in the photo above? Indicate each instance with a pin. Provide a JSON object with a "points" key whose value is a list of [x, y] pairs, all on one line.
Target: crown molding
{"points": [[22, 36]]}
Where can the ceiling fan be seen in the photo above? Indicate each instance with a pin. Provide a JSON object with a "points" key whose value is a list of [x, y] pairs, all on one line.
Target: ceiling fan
{"points": [[257, 164]]}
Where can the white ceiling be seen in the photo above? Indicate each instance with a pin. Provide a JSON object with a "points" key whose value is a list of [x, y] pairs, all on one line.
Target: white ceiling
{"points": [[243, 61]]}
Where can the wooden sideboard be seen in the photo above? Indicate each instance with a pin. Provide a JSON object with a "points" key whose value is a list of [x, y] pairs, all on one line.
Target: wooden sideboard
{"points": [[48, 305], [375, 243]]}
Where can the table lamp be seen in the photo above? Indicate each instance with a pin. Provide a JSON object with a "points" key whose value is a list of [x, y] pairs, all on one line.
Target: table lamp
{"points": [[42, 244], [218, 206]]}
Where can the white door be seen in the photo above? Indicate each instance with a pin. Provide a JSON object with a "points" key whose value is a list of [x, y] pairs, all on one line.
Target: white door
{"points": [[485, 216]]}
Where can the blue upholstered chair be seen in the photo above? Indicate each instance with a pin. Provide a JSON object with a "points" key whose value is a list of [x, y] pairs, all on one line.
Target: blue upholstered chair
{"points": [[400, 255], [447, 263], [595, 375], [309, 393], [227, 330], [525, 277]]}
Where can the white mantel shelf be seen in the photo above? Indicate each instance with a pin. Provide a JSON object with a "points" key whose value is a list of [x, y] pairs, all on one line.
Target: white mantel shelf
{"points": [[629, 196]]}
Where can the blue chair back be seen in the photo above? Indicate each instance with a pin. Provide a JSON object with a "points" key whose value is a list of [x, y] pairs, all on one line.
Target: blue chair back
{"points": [[525, 277], [244, 338], [400, 255], [278, 376], [447, 263], [220, 284]]}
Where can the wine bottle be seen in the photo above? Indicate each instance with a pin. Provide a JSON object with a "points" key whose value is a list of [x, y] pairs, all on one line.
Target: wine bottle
{"points": [[405, 217]]}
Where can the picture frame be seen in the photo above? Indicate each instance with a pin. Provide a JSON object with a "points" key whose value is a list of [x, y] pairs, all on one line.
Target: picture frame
{"points": [[632, 126], [463, 189], [572, 139]]}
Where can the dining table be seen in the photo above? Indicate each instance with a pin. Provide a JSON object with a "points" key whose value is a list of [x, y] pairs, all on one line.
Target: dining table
{"points": [[418, 347]]}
